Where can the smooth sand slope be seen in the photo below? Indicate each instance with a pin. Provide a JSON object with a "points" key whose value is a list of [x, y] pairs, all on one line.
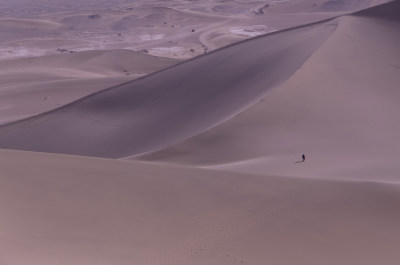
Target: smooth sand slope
{"points": [[57, 209], [172, 105], [340, 109], [249, 111], [30, 86]]}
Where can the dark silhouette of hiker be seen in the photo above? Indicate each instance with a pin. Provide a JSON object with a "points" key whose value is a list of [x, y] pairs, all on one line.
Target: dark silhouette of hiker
{"points": [[303, 157]]}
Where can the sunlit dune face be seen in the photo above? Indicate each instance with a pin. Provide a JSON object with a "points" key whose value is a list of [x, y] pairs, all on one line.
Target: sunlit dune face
{"points": [[192, 132]]}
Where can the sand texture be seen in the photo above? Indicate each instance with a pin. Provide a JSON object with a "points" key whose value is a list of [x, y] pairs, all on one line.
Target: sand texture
{"points": [[341, 108], [171, 105], [30, 86], [60, 209], [115, 151]]}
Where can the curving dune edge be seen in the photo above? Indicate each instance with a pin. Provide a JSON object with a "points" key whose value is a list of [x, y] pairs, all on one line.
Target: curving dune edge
{"points": [[200, 163]]}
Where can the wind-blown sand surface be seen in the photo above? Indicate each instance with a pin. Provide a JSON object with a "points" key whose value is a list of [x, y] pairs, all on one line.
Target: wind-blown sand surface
{"points": [[178, 29], [30, 86], [164, 108], [221, 136], [340, 109], [328, 106], [58, 209]]}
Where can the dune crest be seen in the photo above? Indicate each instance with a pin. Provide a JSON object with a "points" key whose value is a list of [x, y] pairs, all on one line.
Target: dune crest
{"points": [[35, 85], [341, 109], [172, 105], [278, 150]]}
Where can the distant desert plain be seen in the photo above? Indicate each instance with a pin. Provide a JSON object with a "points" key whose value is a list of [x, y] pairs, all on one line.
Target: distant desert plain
{"points": [[192, 132]]}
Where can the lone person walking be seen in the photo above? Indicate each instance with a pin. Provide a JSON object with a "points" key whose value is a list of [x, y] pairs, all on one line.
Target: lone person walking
{"points": [[303, 157]]}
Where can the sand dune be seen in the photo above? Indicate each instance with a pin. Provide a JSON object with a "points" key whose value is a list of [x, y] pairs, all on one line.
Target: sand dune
{"points": [[172, 105], [116, 24], [328, 106], [316, 111], [316, 6], [57, 209], [34, 85], [385, 11], [220, 134], [93, 63], [340, 109]]}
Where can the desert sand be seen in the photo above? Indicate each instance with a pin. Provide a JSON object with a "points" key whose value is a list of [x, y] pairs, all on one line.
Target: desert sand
{"points": [[173, 29], [157, 27], [59, 209], [340, 108], [37, 84], [149, 133], [168, 106]]}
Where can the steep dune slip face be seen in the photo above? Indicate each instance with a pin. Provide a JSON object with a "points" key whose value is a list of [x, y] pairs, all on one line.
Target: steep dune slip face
{"points": [[57, 210], [171, 105], [340, 109]]}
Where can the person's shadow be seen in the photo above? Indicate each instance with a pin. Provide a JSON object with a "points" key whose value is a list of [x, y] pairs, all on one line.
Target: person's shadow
{"points": [[302, 160]]}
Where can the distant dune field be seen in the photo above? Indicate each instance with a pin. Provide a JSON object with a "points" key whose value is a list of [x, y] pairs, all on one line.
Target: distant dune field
{"points": [[116, 154], [320, 90], [150, 25]]}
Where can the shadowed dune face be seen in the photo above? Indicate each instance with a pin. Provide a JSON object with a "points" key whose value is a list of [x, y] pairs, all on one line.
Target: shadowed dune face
{"points": [[341, 109], [239, 120], [172, 105], [33, 85], [385, 11], [59, 210]]}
